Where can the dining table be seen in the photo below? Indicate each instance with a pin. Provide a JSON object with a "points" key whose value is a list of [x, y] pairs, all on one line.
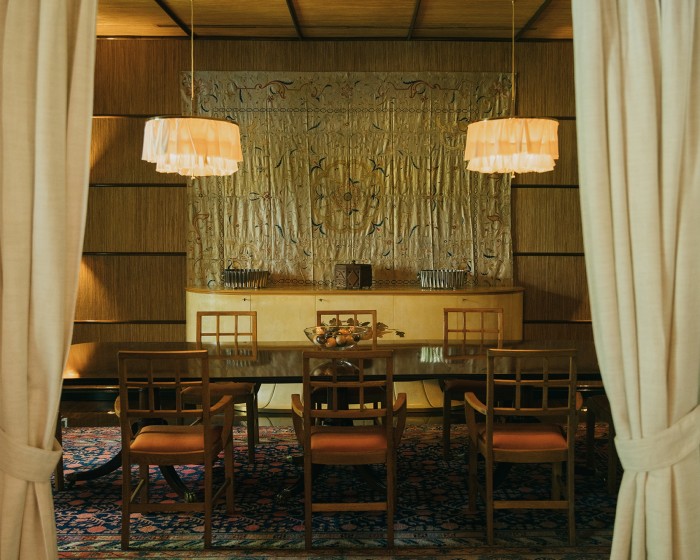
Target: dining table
{"points": [[94, 365]]}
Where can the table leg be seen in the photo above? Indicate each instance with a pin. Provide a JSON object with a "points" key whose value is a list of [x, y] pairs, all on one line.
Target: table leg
{"points": [[168, 472], [59, 479], [297, 487], [110, 466], [175, 482]]}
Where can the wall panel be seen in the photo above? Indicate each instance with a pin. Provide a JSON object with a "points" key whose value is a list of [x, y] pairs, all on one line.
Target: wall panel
{"points": [[128, 288], [546, 220], [358, 56], [555, 287], [115, 154], [566, 169], [558, 331], [545, 79], [121, 89], [121, 332], [139, 77], [136, 219]]}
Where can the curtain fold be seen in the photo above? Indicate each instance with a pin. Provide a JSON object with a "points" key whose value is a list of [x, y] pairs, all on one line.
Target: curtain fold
{"points": [[637, 79], [47, 50]]}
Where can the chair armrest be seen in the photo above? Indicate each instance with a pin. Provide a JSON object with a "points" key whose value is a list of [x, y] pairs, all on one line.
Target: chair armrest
{"points": [[473, 402], [400, 404], [222, 404], [298, 418], [226, 405], [297, 406]]}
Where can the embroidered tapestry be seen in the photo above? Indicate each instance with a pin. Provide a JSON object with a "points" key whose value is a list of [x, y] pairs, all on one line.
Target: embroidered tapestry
{"points": [[354, 166]]}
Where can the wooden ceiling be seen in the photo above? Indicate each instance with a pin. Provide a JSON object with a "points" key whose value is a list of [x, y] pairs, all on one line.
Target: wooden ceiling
{"points": [[337, 19]]}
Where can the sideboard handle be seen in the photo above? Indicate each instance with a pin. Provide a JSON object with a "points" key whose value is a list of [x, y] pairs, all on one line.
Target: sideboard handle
{"points": [[245, 299]]}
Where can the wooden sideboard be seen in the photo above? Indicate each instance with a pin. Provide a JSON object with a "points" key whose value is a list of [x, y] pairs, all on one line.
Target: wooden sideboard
{"points": [[283, 313]]}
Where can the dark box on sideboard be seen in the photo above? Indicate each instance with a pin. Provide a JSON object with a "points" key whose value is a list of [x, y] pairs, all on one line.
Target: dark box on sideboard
{"points": [[353, 276]]}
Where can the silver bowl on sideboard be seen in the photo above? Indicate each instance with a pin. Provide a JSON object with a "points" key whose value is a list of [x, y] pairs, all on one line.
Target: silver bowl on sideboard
{"points": [[245, 278], [442, 279]]}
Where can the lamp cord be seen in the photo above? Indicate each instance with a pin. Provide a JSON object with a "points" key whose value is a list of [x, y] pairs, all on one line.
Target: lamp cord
{"points": [[192, 57], [512, 61]]}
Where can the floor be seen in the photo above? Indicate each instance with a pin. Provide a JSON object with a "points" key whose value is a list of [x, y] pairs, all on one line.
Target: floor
{"points": [[77, 410]]}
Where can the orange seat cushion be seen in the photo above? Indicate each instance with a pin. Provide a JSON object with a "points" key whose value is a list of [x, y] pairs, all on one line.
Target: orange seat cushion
{"points": [[173, 439], [349, 441], [526, 437]]}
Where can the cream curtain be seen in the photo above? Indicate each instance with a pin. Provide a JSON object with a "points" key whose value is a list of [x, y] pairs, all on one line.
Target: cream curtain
{"points": [[637, 73], [47, 50]]}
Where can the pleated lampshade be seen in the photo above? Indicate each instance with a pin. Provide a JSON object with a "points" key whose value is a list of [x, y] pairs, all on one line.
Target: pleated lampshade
{"points": [[512, 145], [192, 146]]}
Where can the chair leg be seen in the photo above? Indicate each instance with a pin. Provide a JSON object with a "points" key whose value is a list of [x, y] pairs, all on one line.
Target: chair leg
{"points": [[590, 446], [446, 424], [308, 481], [570, 489], [489, 502], [256, 415], [126, 512], [250, 412], [229, 473], [58, 472], [590, 438], [208, 496], [473, 459], [556, 481], [390, 503], [143, 476], [612, 459]]}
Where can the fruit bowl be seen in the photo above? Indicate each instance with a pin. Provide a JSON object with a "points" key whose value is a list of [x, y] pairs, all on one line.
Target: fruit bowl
{"points": [[336, 337]]}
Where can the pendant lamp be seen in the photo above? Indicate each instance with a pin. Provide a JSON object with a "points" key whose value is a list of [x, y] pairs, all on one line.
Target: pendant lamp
{"points": [[190, 145], [511, 144]]}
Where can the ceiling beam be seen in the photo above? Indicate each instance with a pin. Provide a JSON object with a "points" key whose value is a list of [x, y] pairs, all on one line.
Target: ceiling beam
{"points": [[173, 16], [295, 19], [416, 8], [531, 22]]}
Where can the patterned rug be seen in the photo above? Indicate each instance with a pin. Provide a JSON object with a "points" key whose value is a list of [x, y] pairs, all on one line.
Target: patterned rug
{"points": [[431, 518]]}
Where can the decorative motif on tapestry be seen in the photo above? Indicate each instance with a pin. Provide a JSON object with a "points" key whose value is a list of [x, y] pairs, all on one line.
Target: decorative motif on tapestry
{"points": [[342, 167]]}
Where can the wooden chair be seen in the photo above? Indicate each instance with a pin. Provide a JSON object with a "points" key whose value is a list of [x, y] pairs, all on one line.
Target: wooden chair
{"points": [[232, 335], [545, 394], [157, 429], [364, 317], [468, 333], [328, 435]]}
